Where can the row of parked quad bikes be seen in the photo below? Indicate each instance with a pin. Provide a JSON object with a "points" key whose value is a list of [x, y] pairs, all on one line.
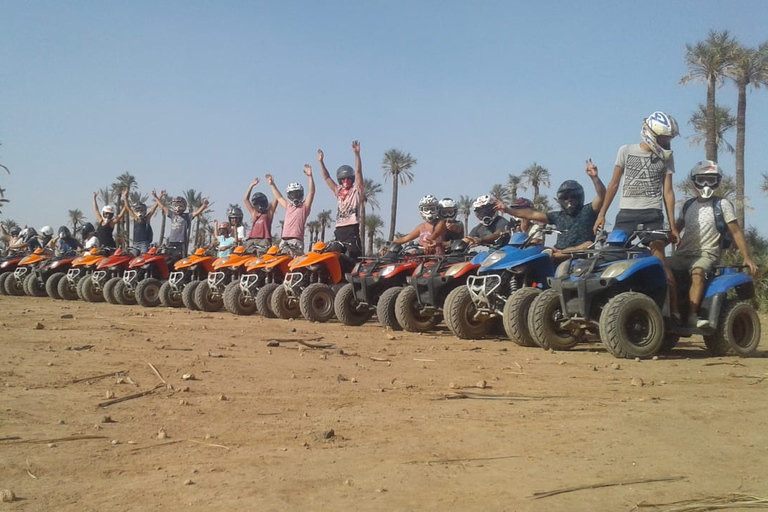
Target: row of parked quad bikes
{"points": [[615, 292]]}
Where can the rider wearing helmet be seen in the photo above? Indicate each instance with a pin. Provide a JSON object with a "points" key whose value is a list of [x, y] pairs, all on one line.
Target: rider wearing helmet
{"points": [[646, 188], [297, 210], [88, 233], [46, 237], [224, 239], [448, 211], [11, 238], [65, 244], [107, 222], [575, 218], [181, 222], [701, 243], [493, 229], [431, 232], [235, 217], [350, 197], [142, 229], [262, 211]]}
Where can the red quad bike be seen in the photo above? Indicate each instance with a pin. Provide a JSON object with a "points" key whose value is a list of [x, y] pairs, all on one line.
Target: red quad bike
{"points": [[374, 285], [24, 276], [264, 278], [7, 267], [52, 272], [419, 307], [82, 266], [209, 294], [188, 272], [311, 285], [145, 276], [101, 284]]}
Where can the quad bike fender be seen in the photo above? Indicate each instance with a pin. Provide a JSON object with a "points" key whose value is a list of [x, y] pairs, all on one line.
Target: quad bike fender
{"points": [[514, 257], [460, 269], [329, 259], [741, 282], [394, 269], [36, 257], [480, 258], [115, 261]]}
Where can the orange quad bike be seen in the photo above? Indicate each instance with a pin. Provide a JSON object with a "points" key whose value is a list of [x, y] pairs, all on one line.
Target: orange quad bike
{"points": [[23, 276], [82, 266], [179, 289], [256, 286], [311, 284], [145, 276], [209, 294], [101, 284], [7, 265]]}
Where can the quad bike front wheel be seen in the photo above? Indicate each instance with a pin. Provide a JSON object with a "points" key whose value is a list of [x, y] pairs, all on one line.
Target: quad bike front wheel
{"points": [[316, 303], [385, 309], [409, 313], [207, 299], [52, 285], [545, 323], [515, 316], [90, 291], [124, 294], [188, 296], [284, 306], [169, 297], [3, 278], [14, 287], [147, 292], [460, 314], [236, 301], [264, 300], [108, 290], [738, 331], [35, 288], [347, 308], [631, 325], [67, 289]]}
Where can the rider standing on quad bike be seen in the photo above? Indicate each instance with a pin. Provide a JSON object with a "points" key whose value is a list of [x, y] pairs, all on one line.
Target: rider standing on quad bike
{"points": [[142, 229], [493, 229], [224, 241], [107, 223], [262, 212], [702, 241], [431, 232], [181, 223], [297, 210], [349, 198], [575, 218], [647, 189]]}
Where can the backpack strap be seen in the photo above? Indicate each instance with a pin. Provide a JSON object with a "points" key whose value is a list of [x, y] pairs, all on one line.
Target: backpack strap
{"points": [[687, 205]]}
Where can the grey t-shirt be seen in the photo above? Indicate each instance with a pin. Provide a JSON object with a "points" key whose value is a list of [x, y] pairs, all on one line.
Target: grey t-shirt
{"points": [[700, 233], [179, 227], [643, 180]]}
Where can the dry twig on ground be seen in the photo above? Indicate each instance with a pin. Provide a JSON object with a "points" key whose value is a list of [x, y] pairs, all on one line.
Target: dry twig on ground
{"points": [[538, 495]]}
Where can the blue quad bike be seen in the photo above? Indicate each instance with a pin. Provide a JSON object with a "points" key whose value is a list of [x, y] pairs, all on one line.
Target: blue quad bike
{"points": [[507, 280], [620, 292]]}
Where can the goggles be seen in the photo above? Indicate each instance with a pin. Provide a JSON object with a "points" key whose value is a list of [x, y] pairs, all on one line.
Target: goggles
{"points": [[706, 180]]}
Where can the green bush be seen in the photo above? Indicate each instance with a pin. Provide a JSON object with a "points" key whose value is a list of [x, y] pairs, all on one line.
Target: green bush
{"points": [[758, 249]]}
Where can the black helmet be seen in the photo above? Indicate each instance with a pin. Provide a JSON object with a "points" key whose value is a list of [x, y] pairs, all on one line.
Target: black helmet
{"points": [[236, 213], [179, 205], [28, 234], [15, 230], [570, 189], [260, 202], [140, 209], [343, 172], [87, 229], [64, 232]]}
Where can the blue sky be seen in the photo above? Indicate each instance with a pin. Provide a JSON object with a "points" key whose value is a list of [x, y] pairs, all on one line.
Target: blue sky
{"points": [[209, 95]]}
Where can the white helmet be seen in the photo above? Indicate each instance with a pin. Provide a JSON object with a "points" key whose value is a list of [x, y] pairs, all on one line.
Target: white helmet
{"points": [[295, 193], [485, 209], [706, 177], [428, 208], [658, 125], [46, 231], [108, 209], [447, 209]]}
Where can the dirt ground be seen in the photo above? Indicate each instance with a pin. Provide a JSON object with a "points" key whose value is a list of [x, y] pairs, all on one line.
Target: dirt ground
{"points": [[362, 426]]}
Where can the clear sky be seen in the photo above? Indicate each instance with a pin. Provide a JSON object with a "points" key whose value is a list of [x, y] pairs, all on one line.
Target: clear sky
{"points": [[209, 95]]}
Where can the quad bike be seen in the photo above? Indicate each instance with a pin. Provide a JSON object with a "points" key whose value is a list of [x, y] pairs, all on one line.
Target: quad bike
{"points": [[261, 281], [311, 284], [102, 283], [620, 290], [145, 274], [240, 295], [178, 290], [489, 298], [419, 306], [7, 266], [374, 285], [209, 294], [82, 266], [22, 281], [52, 272]]}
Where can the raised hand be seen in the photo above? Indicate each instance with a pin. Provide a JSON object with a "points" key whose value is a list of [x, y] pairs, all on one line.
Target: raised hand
{"points": [[307, 170], [591, 168], [95, 194], [356, 146], [205, 202], [270, 179], [320, 155], [255, 182]]}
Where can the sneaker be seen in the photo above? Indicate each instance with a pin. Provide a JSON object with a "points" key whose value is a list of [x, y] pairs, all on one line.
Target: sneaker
{"points": [[701, 323]]}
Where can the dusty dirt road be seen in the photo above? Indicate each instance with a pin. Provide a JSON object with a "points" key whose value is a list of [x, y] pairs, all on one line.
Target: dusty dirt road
{"points": [[361, 426]]}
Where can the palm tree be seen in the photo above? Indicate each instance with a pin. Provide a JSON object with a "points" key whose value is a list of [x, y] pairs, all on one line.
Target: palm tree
{"points": [[542, 203], [515, 183], [464, 205], [105, 196], [500, 192], [76, 218], [378, 244], [535, 176], [764, 186], [370, 190], [707, 62], [166, 201], [9, 224], [125, 181], [314, 228], [396, 165], [324, 220], [750, 67], [373, 224], [724, 122]]}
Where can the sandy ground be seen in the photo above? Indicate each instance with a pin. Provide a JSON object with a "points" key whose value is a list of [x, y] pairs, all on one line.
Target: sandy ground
{"points": [[362, 426]]}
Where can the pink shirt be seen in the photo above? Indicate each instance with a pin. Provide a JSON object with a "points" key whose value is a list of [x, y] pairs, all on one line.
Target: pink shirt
{"points": [[348, 213], [295, 220], [262, 227], [425, 231]]}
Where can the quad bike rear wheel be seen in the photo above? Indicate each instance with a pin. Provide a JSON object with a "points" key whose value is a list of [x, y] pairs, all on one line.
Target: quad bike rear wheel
{"points": [[738, 331], [67, 289], [169, 297], [347, 308], [316, 303], [284, 306], [147, 292], [236, 301], [208, 299], [264, 300], [459, 312], [545, 323], [52, 285], [409, 313], [515, 316], [631, 325], [188, 296], [385, 309]]}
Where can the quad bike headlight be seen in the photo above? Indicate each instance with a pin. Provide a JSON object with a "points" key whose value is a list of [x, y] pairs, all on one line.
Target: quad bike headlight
{"points": [[616, 269], [388, 270], [457, 268], [493, 258]]}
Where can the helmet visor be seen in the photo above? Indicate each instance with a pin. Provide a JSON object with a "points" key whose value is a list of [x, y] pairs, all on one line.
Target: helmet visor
{"points": [[706, 180]]}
